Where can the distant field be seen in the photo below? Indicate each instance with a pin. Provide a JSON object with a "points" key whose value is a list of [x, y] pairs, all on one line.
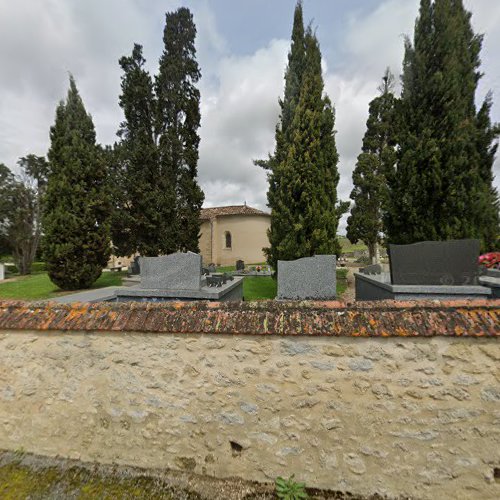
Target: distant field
{"points": [[347, 246]]}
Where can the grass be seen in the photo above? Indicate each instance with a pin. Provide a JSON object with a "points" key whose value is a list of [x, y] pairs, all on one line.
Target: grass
{"points": [[39, 286], [259, 288], [265, 287], [347, 246]]}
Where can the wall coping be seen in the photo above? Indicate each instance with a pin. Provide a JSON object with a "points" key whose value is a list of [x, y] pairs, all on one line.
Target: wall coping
{"points": [[468, 318]]}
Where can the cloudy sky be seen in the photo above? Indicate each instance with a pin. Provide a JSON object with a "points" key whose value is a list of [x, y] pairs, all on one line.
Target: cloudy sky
{"points": [[242, 50]]}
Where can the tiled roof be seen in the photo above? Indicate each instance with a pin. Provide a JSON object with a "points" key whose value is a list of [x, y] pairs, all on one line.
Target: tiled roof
{"points": [[479, 318], [212, 213]]}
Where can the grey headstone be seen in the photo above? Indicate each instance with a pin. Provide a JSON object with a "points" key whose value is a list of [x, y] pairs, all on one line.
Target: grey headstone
{"points": [[177, 271], [212, 268], [373, 269], [240, 265], [453, 262], [135, 267], [2, 272], [307, 278]]}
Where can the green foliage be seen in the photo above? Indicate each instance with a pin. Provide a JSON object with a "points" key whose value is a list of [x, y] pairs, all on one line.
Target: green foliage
{"points": [[76, 206], [289, 489], [177, 122], [20, 209], [157, 199], [302, 172], [442, 186], [369, 177], [259, 288], [143, 194]]}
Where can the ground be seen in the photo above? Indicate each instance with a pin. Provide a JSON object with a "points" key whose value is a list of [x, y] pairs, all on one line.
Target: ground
{"points": [[39, 287], [24, 476], [347, 246]]}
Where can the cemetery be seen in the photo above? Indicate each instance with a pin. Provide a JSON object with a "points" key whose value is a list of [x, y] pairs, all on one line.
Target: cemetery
{"points": [[157, 344]]}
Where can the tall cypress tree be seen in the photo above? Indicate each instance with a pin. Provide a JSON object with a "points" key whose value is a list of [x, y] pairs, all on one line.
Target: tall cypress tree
{"points": [[76, 205], [304, 207], [439, 179], [293, 83], [177, 123], [378, 157], [144, 200]]}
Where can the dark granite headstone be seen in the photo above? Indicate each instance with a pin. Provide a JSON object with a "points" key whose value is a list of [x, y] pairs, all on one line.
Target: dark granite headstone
{"points": [[135, 267], [240, 265], [453, 262]]}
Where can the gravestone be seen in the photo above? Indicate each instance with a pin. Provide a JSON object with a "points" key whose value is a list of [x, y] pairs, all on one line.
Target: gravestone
{"points": [[2, 272], [177, 271], [134, 267], [452, 263], [240, 265], [212, 268], [307, 278], [373, 269]]}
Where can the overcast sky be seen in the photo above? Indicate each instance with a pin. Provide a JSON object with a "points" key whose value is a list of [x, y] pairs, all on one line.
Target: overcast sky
{"points": [[242, 49]]}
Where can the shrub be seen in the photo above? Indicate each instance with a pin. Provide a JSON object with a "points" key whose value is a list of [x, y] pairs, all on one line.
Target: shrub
{"points": [[289, 489]]}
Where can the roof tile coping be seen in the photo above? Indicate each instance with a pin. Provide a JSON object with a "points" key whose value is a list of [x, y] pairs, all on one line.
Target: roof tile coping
{"points": [[477, 318]]}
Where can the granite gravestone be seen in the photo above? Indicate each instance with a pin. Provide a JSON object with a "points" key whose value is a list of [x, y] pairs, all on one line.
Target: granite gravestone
{"points": [[373, 269], [2, 271], [307, 278], [135, 267], [240, 265], [453, 262], [177, 271]]}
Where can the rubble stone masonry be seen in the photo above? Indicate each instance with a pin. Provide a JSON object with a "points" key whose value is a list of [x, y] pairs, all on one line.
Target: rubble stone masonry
{"points": [[393, 414]]}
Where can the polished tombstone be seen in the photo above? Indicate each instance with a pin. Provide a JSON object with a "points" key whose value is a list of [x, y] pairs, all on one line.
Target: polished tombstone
{"points": [[448, 263], [307, 278], [240, 265], [441, 270]]}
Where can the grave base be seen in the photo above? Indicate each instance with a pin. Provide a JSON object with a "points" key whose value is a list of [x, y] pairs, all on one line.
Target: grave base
{"points": [[379, 287]]}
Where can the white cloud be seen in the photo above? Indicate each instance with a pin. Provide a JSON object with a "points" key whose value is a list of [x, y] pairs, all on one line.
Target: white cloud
{"points": [[41, 41]]}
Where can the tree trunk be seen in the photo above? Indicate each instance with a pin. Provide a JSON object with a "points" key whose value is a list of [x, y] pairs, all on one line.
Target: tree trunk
{"points": [[373, 253]]}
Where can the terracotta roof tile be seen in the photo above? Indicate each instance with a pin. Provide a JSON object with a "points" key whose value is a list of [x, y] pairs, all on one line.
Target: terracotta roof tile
{"points": [[212, 213], [478, 318]]}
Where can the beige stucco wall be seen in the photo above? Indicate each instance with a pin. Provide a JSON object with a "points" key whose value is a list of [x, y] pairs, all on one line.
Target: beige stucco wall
{"points": [[400, 416], [248, 235]]}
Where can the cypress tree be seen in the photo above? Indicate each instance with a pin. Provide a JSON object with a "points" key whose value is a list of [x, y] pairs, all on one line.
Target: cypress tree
{"points": [[143, 197], [489, 208], [293, 83], [439, 179], [304, 207], [177, 123], [76, 205], [378, 157]]}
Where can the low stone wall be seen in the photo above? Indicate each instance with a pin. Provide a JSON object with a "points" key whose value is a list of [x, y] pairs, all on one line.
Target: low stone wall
{"points": [[418, 417]]}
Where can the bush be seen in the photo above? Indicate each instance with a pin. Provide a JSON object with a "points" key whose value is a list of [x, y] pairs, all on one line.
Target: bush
{"points": [[289, 489]]}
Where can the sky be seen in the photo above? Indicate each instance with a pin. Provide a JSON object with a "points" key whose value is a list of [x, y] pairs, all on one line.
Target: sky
{"points": [[242, 49]]}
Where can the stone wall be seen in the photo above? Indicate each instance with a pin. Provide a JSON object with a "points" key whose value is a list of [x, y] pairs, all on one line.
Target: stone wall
{"points": [[400, 416]]}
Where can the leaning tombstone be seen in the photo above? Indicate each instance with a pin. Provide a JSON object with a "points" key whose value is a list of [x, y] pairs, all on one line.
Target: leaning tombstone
{"points": [[307, 278]]}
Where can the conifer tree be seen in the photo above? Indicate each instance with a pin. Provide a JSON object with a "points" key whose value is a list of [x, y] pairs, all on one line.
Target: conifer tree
{"points": [[378, 157], [143, 199], [177, 123], [76, 205], [293, 83], [439, 187], [305, 213]]}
